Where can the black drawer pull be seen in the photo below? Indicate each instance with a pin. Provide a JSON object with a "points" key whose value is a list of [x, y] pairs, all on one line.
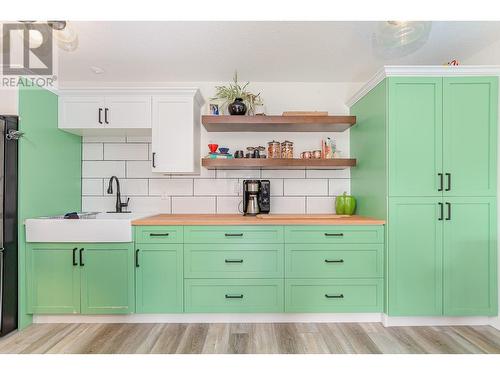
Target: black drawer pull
{"points": [[448, 188], [229, 296], [137, 258], [334, 260], [81, 258], [233, 260], [74, 256], [334, 234], [159, 234], [233, 234], [448, 204], [440, 182], [334, 295]]}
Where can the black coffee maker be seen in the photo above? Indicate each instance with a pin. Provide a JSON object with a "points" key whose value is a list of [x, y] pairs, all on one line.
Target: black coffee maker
{"points": [[256, 197]]}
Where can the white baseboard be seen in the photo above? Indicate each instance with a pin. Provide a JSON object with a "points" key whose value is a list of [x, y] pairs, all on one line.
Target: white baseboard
{"points": [[395, 321], [211, 318], [495, 322]]}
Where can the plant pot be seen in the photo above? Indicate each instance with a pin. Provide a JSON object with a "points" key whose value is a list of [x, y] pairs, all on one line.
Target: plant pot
{"points": [[237, 107]]}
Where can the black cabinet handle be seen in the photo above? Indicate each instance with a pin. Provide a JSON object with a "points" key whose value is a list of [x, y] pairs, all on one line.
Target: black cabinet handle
{"points": [[233, 260], [100, 116], [334, 260], [448, 205], [448, 178], [440, 175], [154, 163], [233, 234], [81, 257], [441, 211], [74, 256], [158, 234], [137, 258], [334, 295], [334, 234], [228, 296], [106, 115]]}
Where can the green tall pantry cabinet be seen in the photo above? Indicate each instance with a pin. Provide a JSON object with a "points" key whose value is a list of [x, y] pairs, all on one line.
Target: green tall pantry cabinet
{"points": [[434, 180]]}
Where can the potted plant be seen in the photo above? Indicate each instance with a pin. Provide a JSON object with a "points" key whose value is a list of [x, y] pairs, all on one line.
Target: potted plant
{"points": [[236, 97]]}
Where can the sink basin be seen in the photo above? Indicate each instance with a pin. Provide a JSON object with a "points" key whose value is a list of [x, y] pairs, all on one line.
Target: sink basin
{"points": [[101, 227]]}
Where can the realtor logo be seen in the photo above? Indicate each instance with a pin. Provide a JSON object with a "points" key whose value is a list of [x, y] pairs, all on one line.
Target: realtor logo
{"points": [[33, 55]]}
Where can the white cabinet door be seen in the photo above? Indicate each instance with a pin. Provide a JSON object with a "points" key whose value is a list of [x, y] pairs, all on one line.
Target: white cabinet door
{"points": [[127, 112], [80, 112], [175, 135]]}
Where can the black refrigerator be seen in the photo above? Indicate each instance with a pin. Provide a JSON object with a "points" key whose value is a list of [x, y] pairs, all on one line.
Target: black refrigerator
{"points": [[8, 223]]}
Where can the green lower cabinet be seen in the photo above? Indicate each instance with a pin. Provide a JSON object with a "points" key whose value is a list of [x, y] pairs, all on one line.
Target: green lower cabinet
{"points": [[233, 261], [107, 279], [233, 295], [53, 279], [470, 257], [334, 261], [415, 257], [334, 295], [159, 278]]}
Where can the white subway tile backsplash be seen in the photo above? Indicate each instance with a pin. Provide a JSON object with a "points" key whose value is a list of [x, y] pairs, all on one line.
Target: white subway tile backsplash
{"points": [[150, 204], [92, 151], [129, 187], [305, 187], [193, 205], [229, 205], [170, 187], [216, 187], [328, 173], [103, 169], [246, 174], [92, 186], [320, 205], [288, 205], [339, 186], [211, 191], [126, 151], [283, 173]]}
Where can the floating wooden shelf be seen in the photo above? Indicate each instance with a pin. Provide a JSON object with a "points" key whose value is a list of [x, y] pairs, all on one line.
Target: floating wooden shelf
{"points": [[277, 123], [277, 163]]}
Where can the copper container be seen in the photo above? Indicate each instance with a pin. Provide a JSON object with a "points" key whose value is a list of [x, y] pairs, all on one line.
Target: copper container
{"points": [[273, 150], [316, 154], [306, 155], [287, 150]]}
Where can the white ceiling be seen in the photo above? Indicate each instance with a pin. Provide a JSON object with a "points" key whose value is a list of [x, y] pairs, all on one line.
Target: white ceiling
{"points": [[130, 51]]}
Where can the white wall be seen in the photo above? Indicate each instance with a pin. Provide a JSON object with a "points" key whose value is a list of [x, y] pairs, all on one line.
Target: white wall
{"points": [[9, 101], [293, 191]]}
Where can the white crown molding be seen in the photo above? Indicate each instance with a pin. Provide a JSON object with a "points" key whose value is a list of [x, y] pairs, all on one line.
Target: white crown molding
{"points": [[423, 71]]}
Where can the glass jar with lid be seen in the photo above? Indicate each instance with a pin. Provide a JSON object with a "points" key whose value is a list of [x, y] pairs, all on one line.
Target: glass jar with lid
{"points": [[273, 150], [287, 150]]}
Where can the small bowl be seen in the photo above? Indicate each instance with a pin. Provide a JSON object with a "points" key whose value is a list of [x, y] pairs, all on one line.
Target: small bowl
{"points": [[223, 150]]}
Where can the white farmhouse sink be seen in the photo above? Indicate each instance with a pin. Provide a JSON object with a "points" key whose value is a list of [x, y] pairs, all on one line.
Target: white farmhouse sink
{"points": [[105, 227]]}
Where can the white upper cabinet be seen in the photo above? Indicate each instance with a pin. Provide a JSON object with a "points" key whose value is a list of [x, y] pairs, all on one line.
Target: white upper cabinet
{"points": [[176, 133], [106, 114]]}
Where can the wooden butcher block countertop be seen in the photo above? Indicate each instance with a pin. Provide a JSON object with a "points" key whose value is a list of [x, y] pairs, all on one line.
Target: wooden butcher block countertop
{"points": [[272, 219]]}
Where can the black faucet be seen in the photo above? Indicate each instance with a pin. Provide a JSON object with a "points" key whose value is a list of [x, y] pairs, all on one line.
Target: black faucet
{"points": [[119, 205]]}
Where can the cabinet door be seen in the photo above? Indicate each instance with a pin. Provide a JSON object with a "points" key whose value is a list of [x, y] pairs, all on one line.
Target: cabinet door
{"points": [[470, 257], [470, 128], [107, 279], [53, 279], [159, 278], [128, 112], [415, 251], [85, 112], [176, 135], [415, 136]]}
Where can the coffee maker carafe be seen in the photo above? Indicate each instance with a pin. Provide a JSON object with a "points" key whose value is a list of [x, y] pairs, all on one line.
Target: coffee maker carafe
{"points": [[256, 197]]}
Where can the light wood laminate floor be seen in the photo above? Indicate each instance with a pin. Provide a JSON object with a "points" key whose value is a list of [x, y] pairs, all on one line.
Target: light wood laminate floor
{"points": [[285, 338]]}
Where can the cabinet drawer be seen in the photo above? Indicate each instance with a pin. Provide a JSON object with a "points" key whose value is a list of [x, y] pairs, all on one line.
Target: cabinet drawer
{"points": [[233, 234], [158, 234], [233, 295], [334, 261], [334, 234], [324, 295], [233, 261]]}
